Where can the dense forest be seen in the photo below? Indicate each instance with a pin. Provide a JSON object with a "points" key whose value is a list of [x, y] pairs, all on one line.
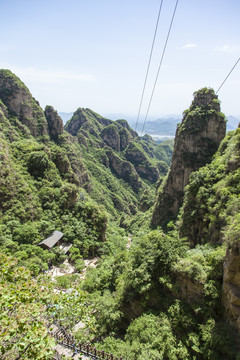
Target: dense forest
{"points": [[162, 219]]}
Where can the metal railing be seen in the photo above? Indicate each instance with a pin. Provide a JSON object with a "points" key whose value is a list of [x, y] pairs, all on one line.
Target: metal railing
{"points": [[66, 340]]}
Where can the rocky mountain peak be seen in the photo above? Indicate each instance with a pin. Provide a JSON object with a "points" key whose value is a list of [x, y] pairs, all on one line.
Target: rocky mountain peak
{"points": [[205, 97], [197, 138], [20, 103]]}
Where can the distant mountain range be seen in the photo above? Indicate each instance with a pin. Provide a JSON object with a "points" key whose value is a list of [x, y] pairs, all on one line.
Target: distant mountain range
{"points": [[164, 126]]}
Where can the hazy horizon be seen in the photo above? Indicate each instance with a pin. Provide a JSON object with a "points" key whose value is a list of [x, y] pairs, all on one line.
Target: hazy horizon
{"points": [[94, 54]]}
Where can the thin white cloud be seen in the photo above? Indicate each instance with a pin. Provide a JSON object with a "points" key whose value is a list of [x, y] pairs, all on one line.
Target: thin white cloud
{"points": [[227, 48], [187, 46], [47, 76]]}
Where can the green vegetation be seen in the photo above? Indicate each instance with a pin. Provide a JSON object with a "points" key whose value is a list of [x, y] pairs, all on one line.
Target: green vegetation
{"points": [[36, 200], [154, 294], [28, 307], [211, 205], [141, 305]]}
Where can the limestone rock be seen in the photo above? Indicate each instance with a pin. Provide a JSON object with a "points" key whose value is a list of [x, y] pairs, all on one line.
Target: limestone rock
{"points": [[125, 170], [197, 139], [135, 154], [125, 138], [148, 172], [110, 136], [231, 288], [55, 123], [189, 291], [20, 103]]}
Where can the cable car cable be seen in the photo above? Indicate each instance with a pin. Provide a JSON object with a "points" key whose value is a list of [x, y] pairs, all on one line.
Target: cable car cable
{"points": [[149, 62], [227, 76], [160, 64]]}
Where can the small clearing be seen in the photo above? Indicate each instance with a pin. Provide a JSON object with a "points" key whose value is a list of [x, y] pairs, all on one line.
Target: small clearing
{"points": [[68, 269], [129, 241]]}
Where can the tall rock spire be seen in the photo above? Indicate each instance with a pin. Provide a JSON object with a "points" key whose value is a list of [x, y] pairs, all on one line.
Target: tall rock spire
{"points": [[197, 139]]}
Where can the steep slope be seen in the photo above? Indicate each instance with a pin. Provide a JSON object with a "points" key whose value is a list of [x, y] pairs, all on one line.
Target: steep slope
{"points": [[178, 292], [197, 139], [21, 104], [52, 180], [210, 214], [112, 150]]}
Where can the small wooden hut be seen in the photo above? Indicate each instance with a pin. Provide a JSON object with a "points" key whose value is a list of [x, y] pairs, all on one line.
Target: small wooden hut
{"points": [[54, 239]]}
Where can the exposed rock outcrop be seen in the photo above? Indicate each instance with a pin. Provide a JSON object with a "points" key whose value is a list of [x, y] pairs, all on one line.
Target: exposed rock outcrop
{"points": [[125, 138], [197, 139], [21, 104], [140, 160], [95, 131], [55, 123], [231, 288], [125, 170], [110, 135]]}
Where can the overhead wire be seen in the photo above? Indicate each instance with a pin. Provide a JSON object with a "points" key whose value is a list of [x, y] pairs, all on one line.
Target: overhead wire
{"points": [[224, 80], [160, 65], [149, 62], [227, 76]]}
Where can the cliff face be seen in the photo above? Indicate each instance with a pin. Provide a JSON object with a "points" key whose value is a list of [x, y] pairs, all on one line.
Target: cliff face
{"points": [[231, 288], [121, 149], [197, 139], [110, 136], [21, 104], [55, 123]]}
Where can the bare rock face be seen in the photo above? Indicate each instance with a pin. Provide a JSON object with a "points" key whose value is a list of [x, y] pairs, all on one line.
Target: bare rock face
{"points": [[139, 159], [55, 123], [197, 139], [231, 288], [110, 136], [21, 104], [125, 170], [189, 291], [125, 138]]}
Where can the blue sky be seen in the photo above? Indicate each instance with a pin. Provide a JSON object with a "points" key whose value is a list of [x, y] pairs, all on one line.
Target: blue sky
{"points": [[92, 53]]}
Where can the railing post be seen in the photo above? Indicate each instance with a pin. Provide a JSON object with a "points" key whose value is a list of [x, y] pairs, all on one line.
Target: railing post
{"points": [[103, 354], [111, 357]]}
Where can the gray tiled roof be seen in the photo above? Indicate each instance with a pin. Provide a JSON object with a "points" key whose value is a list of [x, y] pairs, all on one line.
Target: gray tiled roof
{"points": [[52, 239]]}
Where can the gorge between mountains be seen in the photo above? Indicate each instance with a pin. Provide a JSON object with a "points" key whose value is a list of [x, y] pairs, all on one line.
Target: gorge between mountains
{"points": [[175, 292]]}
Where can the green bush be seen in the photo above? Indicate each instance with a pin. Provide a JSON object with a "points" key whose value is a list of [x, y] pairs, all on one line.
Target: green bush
{"points": [[37, 163], [79, 265], [26, 234]]}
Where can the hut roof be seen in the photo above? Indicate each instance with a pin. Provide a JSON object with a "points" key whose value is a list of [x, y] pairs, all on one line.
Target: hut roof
{"points": [[52, 239]]}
